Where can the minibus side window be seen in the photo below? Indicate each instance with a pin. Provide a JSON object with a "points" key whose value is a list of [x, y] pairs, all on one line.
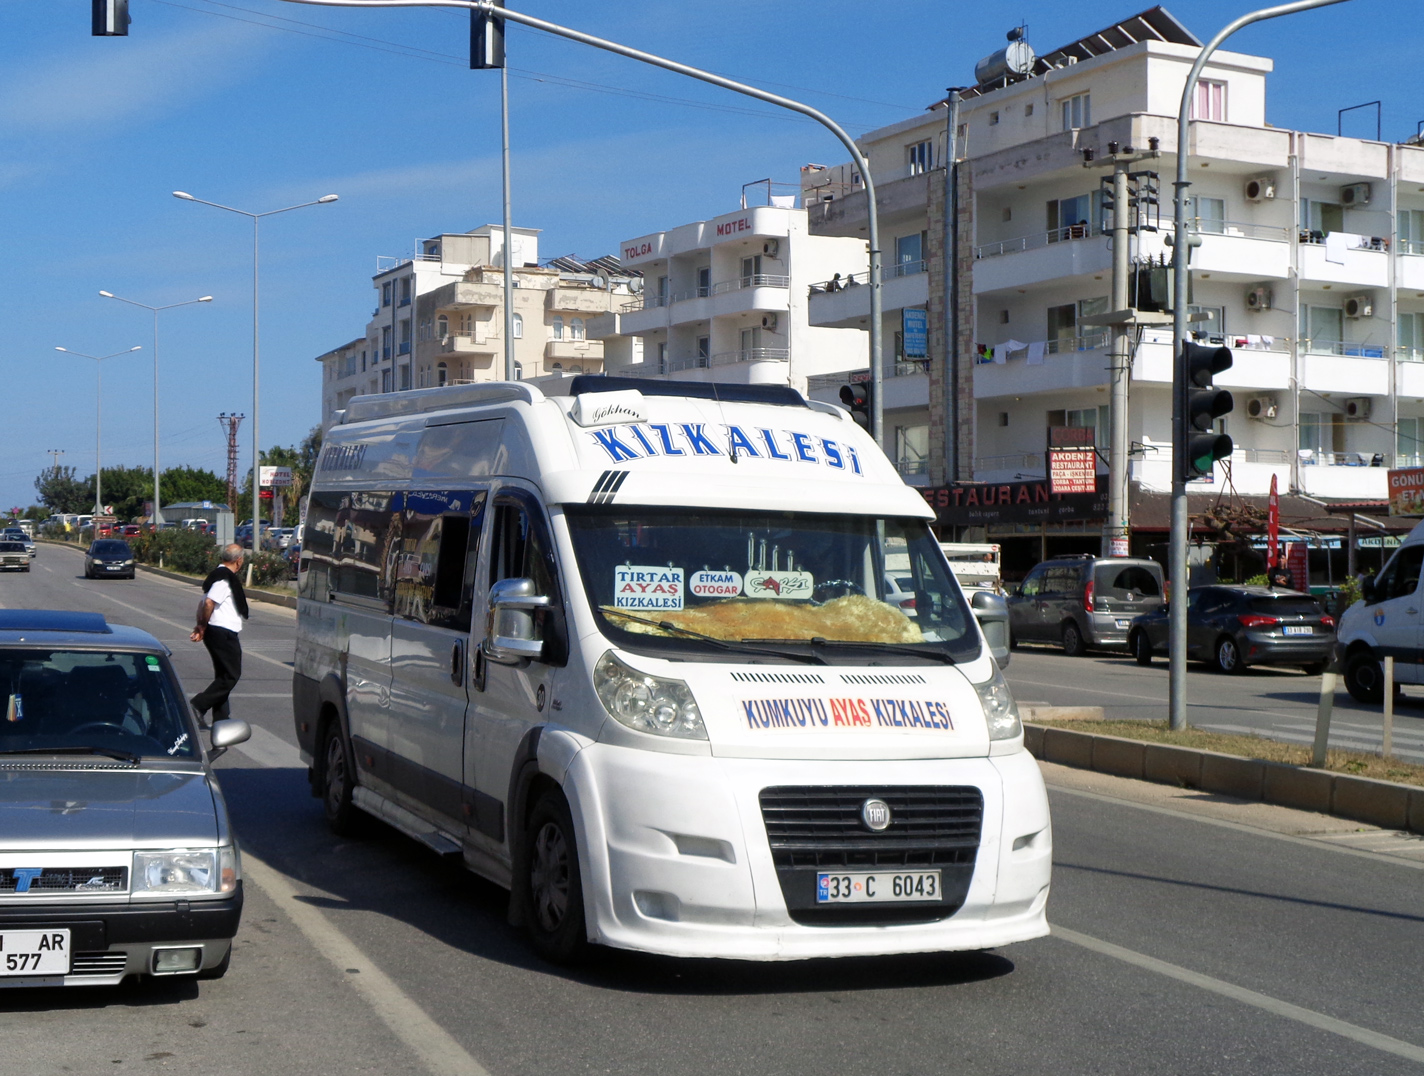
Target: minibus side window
{"points": [[521, 549], [431, 572], [1401, 576], [368, 543], [319, 545]]}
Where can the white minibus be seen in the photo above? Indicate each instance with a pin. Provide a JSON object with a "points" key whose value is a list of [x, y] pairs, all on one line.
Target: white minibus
{"points": [[624, 650]]}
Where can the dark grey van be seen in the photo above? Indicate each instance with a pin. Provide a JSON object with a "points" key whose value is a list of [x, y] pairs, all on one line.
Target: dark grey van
{"points": [[1084, 602]]}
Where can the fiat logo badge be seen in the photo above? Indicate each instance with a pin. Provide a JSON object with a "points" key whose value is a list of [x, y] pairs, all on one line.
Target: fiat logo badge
{"points": [[875, 814]]}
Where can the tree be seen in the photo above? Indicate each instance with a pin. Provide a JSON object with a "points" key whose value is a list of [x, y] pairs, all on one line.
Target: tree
{"points": [[126, 488], [192, 484], [60, 491]]}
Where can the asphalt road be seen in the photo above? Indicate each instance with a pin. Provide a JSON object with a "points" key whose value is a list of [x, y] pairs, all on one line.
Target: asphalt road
{"points": [[1280, 703], [1192, 935]]}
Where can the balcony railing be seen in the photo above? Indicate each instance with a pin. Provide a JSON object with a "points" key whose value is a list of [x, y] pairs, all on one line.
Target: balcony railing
{"points": [[1342, 347], [887, 272], [1239, 228], [1315, 238], [403, 348], [1411, 246], [1038, 240], [903, 368], [1318, 457], [1068, 344], [908, 467], [678, 363]]}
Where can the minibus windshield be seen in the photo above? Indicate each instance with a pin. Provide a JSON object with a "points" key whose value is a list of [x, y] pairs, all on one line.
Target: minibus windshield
{"points": [[850, 589]]}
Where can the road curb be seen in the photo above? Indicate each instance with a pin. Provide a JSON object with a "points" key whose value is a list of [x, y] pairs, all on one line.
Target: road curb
{"points": [[1363, 799], [288, 601]]}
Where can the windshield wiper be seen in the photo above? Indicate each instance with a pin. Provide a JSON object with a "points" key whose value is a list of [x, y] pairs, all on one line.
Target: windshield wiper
{"points": [[724, 644], [893, 648], [110, 752]]}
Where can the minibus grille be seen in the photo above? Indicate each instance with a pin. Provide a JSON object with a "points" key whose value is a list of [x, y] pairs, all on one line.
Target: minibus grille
{"points": [[812, 829]]}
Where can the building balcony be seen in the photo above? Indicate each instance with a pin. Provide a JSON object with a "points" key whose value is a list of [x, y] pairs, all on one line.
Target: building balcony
{"points": [[1039, 258], [846, 303], [468, 296], [1238, 250], [574, 351], [739, 295], [1409, 266], [467, 344], [906, 386], [769, 364], [1363, 260], [1340, 367], [577, 300], [845, 212]]}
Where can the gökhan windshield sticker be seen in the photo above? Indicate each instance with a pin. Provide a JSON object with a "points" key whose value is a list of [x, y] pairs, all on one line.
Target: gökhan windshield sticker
{"points": [[647, 586]]}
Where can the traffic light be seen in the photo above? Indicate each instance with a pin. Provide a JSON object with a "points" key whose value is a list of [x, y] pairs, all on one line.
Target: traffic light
{"points": [[111, 18], [1202, 404], [857, 396], [486, 40]]}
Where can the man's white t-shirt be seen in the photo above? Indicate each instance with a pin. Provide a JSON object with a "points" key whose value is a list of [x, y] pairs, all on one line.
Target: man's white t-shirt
{"points": [[225, 615]]}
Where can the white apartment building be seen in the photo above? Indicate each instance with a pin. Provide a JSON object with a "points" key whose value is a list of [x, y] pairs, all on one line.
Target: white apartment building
{"points": [[726, 300], [439, 317], [1311, 266]]}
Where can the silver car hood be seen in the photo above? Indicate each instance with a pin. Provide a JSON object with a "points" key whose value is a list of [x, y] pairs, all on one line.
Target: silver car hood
{"points": [[47, 806]]}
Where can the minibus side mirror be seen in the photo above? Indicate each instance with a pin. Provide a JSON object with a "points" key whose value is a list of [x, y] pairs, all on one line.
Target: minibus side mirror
{"points": [[509, 630], [992, 612], [1367, 590]]}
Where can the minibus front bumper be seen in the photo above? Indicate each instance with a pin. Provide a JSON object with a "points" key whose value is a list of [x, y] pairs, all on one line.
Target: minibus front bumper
{"points": [[676, 857]]}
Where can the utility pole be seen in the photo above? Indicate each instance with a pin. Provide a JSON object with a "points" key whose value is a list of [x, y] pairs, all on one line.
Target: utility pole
{"points": [[1126, 211], [951, 289], [230, 423], [54, 454]]}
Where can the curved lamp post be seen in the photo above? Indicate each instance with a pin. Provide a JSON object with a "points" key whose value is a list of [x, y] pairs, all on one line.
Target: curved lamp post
{"points": [[156, 517], [256, 449]]}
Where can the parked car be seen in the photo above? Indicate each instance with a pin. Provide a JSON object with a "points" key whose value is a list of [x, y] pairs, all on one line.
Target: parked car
{"points": [[277, 538], [14, 557], [118, 857], [109, 556], [1084, 602], [1233, 627]]}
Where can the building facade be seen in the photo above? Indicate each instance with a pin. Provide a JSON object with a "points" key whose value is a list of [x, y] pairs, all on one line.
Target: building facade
{"points": [[439, 317], [726, 300], [1310, 268]]}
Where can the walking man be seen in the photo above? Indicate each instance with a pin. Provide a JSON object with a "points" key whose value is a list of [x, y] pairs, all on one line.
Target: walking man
{"points": [[220, 617]]}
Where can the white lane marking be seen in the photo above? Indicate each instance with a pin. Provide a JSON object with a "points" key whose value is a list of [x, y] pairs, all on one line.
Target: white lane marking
{"points": [[1239, 827], [1277, 1007], [268, 749], [436, 1047], [172, 623]]}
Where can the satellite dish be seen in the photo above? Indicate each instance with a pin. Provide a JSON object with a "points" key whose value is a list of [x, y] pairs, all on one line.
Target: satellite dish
{"points": [[636, 285], [600, 282]]}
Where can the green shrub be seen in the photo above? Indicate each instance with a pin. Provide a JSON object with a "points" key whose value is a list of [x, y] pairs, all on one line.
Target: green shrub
{"points": [[197, 553]]}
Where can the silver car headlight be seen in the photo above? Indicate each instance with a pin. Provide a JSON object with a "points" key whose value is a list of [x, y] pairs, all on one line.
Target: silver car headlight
{"points": [[647, 703], [185, 871], [1001, 713]]}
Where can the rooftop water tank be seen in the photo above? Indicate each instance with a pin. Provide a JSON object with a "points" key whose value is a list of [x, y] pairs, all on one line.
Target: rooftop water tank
{"points": [[1012, 61]]}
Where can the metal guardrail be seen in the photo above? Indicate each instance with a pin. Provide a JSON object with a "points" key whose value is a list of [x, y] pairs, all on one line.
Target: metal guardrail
{"points": [[1038, 240]]}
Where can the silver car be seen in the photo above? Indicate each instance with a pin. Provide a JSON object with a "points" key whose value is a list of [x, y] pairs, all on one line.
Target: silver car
{"points": [[116, 856], [1084, 602]]}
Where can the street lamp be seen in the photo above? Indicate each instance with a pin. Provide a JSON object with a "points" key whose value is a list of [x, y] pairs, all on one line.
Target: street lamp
{"points": [[156, 517], [256, 449], [99, 417]]}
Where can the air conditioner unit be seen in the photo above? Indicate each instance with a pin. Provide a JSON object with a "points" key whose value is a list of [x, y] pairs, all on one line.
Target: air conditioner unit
{"points": [[1262, 407], [1259, 298], [769, 322], [1260, 189], [770, 248], [1360, 306], [1358, 408], [1354, 195]]}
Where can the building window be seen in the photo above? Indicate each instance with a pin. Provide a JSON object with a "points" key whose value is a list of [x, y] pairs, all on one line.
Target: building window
{"points": [[518, 327], [404, 378], [385, 381], [405, 336], [1406, 443], [751, 270], [556, 326], [1028, 109], [909, 254], [576, 329], [751, 344], [1086, 418], [1209, 214], [1312, 432], [912, 449], [1320, 218], [1062, 327], [1411, 231], [1411, 336], [385, 342], [993, 122], [363, 361], [556, 366], [405, 291], [704, 281], [518, 371], [1323, 328], [1075, 218], [1209, 102], [662, 291], [442, 373], [920, 157], [442, 326], [1214, 324], [386, 293], [1076, 112], [662, 357], [704, 351]]}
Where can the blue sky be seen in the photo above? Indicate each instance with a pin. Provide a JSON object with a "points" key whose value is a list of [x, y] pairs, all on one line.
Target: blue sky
{"points": [[228, 102]]}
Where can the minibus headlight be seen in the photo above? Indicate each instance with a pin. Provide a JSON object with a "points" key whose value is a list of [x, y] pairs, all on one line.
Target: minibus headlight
{"points": [[647, 703], [1001, 713]]}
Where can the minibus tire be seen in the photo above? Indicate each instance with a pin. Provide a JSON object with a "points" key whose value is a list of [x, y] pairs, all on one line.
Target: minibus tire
{"points": [[337, 770], [553, 891]]}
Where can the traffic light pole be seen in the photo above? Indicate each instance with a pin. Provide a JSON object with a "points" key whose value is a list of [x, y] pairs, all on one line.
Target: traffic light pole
{"points": [[1177, 553], [493, 10]]}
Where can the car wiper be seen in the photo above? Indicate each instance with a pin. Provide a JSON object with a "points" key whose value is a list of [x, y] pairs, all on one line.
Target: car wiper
{"points": [[892, 648], [110, 752], [739, 647]]}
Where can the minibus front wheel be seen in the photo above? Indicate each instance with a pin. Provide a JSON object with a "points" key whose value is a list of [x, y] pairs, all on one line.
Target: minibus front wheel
{"points": [[553, 890], [338, 781]]}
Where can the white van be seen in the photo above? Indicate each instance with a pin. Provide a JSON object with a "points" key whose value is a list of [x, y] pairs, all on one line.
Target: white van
{"points": [[624, 652], [1386, 623]]}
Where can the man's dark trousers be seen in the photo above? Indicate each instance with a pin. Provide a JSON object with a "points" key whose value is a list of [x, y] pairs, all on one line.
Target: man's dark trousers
{"points": [[225, 648]]}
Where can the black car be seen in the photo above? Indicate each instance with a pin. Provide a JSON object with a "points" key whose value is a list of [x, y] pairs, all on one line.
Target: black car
{"points": [[1233, 627], [109, 556]]}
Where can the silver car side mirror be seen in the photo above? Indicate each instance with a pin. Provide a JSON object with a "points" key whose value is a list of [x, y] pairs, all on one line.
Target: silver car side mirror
{"points": [[229, 732], [509, 628]]}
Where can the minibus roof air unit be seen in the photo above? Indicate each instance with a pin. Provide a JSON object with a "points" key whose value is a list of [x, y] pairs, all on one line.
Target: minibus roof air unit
{"points": [[780, 395]]}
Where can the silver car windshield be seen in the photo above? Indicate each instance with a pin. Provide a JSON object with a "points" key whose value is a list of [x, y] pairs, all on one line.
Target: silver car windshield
{"points": [[659, 578], [67, 699]]}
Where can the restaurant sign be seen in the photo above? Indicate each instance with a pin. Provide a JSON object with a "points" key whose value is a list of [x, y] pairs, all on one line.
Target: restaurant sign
{"points": [[987, 504]]}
